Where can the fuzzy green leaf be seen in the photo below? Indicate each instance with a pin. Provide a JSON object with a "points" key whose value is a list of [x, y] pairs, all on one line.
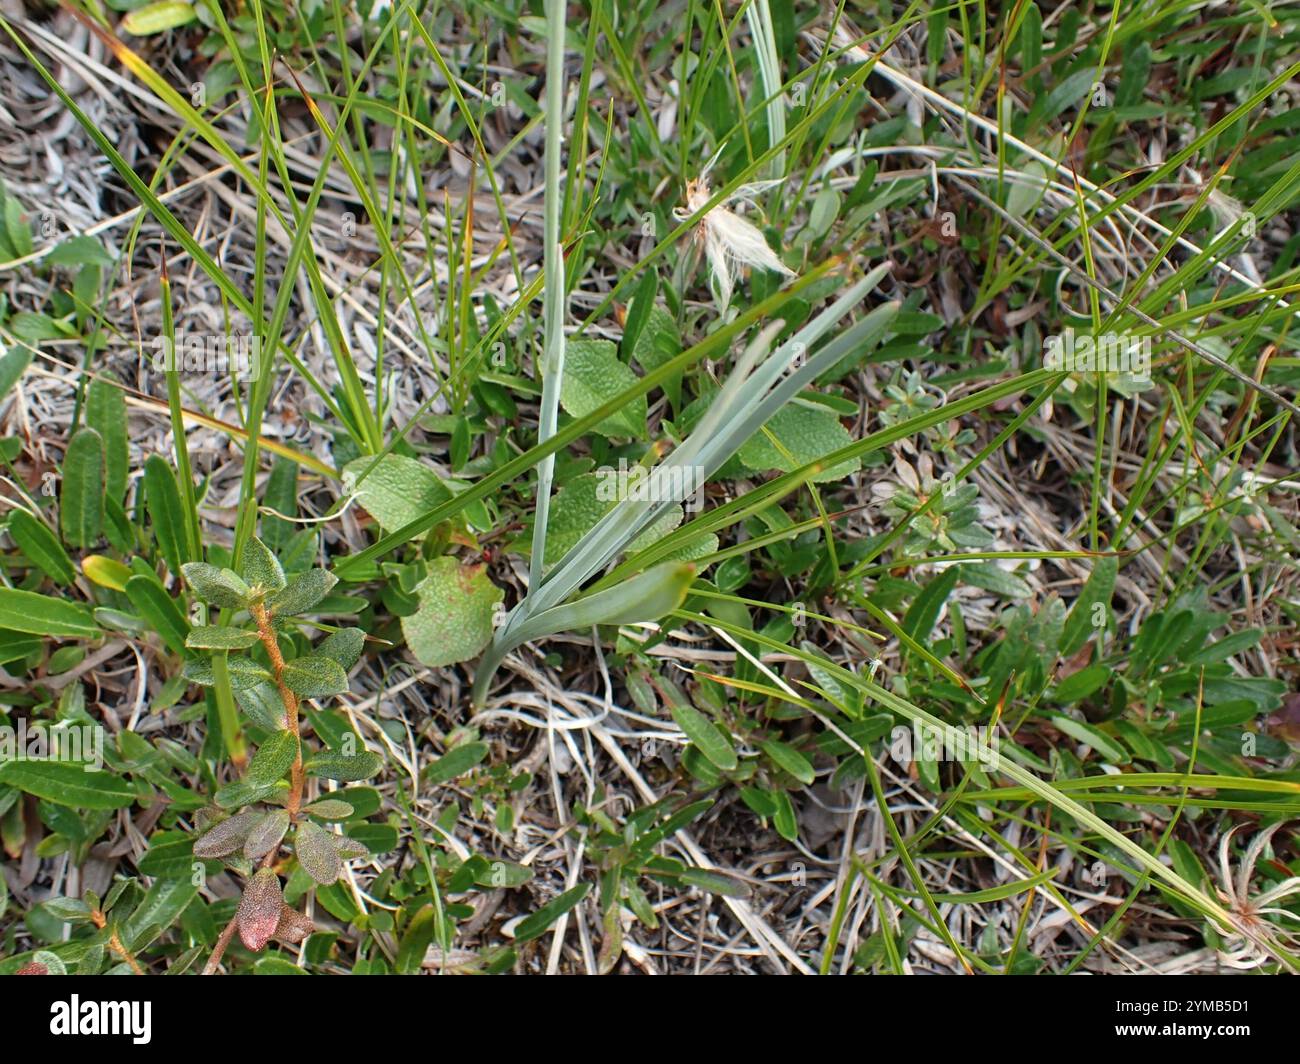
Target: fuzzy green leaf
{"points": [[302, 593], [316, 854], [226, 836], [330, 809], [259, 568], [454, 620], [239, 793], [399, 490], [347, 768], [315, 676], [217, 587], [593, 376], [806, 433], [81, 495], [273, 759], [206, 637], [344, 646]]}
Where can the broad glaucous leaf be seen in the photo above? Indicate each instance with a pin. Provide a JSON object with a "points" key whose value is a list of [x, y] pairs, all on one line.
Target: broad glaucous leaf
{"points": [[585, 500], [645, 597]]}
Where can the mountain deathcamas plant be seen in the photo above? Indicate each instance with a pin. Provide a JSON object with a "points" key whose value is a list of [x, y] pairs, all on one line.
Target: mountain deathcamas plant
{"points": [[761, 383]]}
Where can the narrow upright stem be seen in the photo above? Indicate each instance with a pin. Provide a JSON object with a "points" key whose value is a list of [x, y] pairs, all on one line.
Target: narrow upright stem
{"points": [[553, 297], [266, 632], [115, 943]]}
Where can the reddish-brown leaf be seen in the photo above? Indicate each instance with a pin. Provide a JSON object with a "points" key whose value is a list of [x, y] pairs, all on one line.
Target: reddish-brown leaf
{"points": [[259, 910], [293, 926], [224, 838]]}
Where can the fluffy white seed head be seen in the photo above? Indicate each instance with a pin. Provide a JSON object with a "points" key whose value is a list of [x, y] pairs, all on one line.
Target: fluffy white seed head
{"points": [[731, 244]]}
